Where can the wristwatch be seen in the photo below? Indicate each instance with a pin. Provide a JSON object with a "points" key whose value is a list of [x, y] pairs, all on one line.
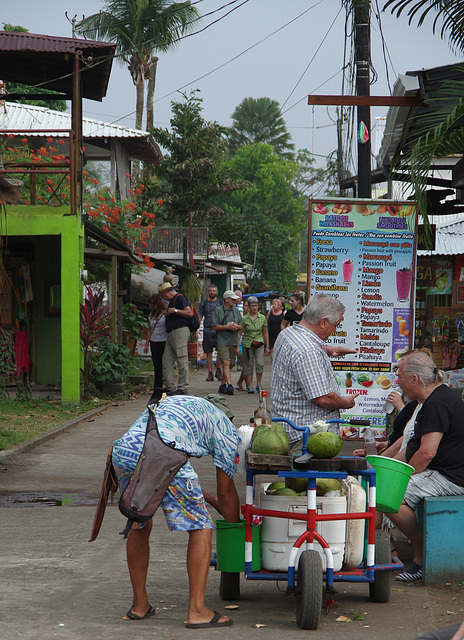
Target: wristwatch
{"points": [[175, 310]]}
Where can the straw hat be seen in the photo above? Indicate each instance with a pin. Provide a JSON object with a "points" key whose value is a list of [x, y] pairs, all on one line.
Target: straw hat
{"points": [[165, 286]]}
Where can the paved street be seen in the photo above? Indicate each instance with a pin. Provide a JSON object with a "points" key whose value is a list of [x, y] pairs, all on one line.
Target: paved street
{"points": [[57, 585]]}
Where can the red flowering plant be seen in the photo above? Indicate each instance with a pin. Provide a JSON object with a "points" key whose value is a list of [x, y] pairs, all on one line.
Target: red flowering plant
{"points": [[128, 220], [46, 188]]}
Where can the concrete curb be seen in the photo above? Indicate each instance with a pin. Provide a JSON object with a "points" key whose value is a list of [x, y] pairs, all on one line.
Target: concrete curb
{"points": [[43, 437]]}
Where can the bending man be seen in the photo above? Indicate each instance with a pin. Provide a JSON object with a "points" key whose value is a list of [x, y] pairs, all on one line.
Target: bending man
{"points": [[199, 428]]}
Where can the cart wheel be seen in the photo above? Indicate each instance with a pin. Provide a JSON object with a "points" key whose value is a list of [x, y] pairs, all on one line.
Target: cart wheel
{"points": [[380, 589], [308, 590], [229, 587]]}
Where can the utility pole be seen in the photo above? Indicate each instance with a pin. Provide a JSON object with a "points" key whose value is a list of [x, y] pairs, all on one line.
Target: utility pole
{"points": [[362, 40], [340, 162]]}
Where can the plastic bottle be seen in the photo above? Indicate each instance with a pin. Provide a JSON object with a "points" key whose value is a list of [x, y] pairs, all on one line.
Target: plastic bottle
{"points": [[255, 413], [388, 407], [263, 415], [369, 442]]}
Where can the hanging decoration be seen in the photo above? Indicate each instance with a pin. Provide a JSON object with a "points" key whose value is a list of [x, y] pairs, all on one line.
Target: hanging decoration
{"points": [[363, 133]]}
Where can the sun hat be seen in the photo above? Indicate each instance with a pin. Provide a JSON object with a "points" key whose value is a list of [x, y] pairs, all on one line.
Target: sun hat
{"points": [[165, 286], [230, 294]]}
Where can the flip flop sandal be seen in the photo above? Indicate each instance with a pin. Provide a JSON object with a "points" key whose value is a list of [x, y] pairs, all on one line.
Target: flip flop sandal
{"points": [[133, 616], [460, 328], [445, 328], [436, 329], [446, 356], [212, 624], [455, 350]]}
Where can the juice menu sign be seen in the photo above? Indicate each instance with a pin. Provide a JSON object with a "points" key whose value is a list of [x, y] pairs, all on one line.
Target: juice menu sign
{"points": [[363, 252]]}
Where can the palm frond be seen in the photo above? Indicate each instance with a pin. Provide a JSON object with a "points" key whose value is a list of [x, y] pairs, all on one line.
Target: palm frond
{"points": [[441, 135], [448, 12]]}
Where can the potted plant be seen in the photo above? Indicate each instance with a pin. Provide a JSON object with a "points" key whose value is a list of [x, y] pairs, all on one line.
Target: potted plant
{"points": [[110, 367], [133, 322]]}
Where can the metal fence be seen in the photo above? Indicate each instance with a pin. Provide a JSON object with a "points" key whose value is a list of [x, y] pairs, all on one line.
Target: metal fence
{"points": [[175, 239]]}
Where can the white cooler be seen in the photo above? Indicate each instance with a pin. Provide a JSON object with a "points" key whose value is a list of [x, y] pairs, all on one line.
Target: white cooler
{"points": [[279, 534]]}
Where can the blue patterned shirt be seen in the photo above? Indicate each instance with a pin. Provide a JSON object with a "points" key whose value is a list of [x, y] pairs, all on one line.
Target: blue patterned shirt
{"points": [[194, 424], [301, 371]]}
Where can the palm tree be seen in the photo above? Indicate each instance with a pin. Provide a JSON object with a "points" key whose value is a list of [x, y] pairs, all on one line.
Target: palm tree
{"points": [[140, 28], [258, 120], [449, 12]]}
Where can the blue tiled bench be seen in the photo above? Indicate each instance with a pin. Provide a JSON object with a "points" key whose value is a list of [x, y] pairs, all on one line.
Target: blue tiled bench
{"points": [[442, 523]]}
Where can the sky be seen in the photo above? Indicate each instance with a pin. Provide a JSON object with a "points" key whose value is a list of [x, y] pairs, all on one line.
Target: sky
{"points": [[279, 49]]}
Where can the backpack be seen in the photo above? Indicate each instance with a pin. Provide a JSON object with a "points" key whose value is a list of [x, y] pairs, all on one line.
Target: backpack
{"points": [[193, 322]]}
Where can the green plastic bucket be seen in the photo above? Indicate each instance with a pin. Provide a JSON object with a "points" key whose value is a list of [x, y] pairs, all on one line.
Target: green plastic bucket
{"points": [[392, 477], [230, 546]]}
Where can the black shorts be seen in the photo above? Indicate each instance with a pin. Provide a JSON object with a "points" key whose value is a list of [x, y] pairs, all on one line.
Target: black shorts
{"points": [[209, 340]]}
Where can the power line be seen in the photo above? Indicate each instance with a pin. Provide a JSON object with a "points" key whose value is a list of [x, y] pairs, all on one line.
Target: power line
{"points": [[241, 53], [315, 89], [384, 46], [141, 46], [312, 59]]}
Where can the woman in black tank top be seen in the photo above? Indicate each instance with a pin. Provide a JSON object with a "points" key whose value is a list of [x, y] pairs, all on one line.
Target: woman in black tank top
{"points": [[274, 319]]}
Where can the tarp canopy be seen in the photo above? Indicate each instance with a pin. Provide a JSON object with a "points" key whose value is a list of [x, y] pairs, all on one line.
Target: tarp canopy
{"points": [[264, 294]]}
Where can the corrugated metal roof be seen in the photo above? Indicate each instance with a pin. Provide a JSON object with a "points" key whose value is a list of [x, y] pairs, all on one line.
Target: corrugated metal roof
{"points": [[49, 62], [43, 43], [449, 236], [139, 144]]}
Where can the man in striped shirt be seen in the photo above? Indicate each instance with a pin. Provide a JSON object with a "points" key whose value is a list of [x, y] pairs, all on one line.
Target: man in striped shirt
{"points": [[303, 386]]}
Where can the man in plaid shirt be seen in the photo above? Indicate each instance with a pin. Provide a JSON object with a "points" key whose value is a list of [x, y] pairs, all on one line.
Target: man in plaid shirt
{"points": [[303, 386]]}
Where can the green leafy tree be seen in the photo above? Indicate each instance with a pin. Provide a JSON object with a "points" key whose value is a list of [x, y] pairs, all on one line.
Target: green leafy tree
{"points": [[259, 120], [268, 212], [194, 172], [141, 28], [15, 87], [311, 180]]}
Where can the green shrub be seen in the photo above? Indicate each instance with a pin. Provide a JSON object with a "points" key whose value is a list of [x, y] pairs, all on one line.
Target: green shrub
{"points": [[111, 364]]}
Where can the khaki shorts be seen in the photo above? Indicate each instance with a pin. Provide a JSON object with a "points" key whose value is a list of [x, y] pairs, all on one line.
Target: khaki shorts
{"points": [[250, 355], [227, 352]]}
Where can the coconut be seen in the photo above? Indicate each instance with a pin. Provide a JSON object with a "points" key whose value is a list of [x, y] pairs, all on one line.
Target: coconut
{"points": [[297, 484], [270, 440], [325, 445], [272, 488], [324, 485], [285, 492]]}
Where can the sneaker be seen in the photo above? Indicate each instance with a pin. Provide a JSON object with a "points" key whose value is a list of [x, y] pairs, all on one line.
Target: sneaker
{"points": [[230, 390], [258, 388], [223, 389], [251, 390], [218, 374], [411, 575], [210, 377]]}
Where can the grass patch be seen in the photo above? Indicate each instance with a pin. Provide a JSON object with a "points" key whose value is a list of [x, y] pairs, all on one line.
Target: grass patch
{"points": [[21, 419]]}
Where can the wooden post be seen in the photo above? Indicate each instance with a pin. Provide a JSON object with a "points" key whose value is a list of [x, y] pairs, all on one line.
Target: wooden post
{"points": [[114, 297]]}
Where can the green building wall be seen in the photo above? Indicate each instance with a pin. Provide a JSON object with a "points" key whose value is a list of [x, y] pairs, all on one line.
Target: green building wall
{"points": [[59, 240]]}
